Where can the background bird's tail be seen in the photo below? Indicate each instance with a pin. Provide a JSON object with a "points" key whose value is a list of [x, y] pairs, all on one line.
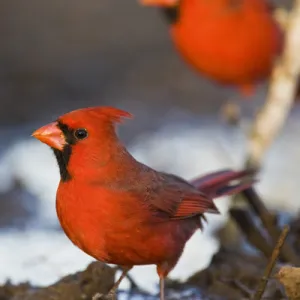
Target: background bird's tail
{"points": [[225, 182]]}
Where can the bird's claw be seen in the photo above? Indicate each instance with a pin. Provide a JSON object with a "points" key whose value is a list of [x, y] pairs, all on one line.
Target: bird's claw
{"points": [[109, 296]]}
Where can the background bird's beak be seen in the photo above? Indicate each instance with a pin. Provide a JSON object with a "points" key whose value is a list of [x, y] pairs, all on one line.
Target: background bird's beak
{"points": [[160, 3], [51, 135]]}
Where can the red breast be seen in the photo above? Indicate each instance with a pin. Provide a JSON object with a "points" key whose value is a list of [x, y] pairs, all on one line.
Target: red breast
{"points": [[230, 41]]}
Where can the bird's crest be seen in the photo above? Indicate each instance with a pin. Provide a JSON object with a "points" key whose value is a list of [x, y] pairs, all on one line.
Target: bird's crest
{"points": [[113, 114]]}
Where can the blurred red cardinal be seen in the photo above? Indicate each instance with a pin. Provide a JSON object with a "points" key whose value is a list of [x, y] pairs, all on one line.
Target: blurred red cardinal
{"points": [[115, 208], [233, 42]]}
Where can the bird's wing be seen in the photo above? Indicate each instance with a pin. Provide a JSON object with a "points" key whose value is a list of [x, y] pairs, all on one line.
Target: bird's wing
{"points": [[178, 198]]}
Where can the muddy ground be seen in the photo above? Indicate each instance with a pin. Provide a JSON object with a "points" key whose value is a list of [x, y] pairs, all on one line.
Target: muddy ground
{"points": [[230, 276]]}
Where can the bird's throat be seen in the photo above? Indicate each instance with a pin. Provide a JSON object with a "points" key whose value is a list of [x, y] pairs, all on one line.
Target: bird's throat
{"points": [[63, 158]]}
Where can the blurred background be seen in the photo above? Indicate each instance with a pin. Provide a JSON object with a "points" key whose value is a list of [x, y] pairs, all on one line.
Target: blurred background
{"points": [[56, 56]]}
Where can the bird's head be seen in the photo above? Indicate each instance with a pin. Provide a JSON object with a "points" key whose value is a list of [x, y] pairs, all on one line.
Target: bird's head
{"points": [[82, 138]]}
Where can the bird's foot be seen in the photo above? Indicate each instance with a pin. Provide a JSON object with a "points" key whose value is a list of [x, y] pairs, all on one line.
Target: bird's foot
{"points": [[108, 296]]}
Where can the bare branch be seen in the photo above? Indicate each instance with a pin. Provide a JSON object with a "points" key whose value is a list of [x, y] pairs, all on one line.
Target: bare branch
{"points": [[281, 93], [264, 280]]}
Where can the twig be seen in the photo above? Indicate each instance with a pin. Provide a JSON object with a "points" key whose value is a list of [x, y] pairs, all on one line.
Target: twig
{"points": [[272, 116], [235, 283], [258, 206], [243, 288], [252, 233], [264, 280], [274, 113], [269, 221]]}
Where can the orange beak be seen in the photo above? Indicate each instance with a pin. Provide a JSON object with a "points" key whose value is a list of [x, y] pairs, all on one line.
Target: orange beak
{"points": [[160, 3], [51, 135]]}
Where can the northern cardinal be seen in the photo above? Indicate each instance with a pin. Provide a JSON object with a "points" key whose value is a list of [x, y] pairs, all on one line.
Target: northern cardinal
{"points": [[233, 42], [119, 210]]}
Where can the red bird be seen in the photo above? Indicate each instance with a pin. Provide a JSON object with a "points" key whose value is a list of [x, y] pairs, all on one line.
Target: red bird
{"points": [[119, 210], [233, 42]]}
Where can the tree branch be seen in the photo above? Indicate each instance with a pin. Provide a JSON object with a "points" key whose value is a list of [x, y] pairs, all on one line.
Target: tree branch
{"points": [[282, 90]]}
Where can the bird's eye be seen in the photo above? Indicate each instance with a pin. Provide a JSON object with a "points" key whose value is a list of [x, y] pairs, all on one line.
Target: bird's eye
{"points": [[80, 134]]}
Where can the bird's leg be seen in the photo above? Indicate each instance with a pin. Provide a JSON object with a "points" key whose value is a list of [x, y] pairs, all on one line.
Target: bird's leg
{"points": [[162, 288], [112, 292], [134, 287], [163, 270], [133, 284]]}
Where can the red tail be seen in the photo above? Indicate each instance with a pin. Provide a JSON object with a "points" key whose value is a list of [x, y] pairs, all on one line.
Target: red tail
{"points": [[221, 183]]}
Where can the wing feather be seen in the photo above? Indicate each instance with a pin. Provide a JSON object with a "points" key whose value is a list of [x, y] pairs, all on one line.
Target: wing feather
{"points": [[179, 199]]}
